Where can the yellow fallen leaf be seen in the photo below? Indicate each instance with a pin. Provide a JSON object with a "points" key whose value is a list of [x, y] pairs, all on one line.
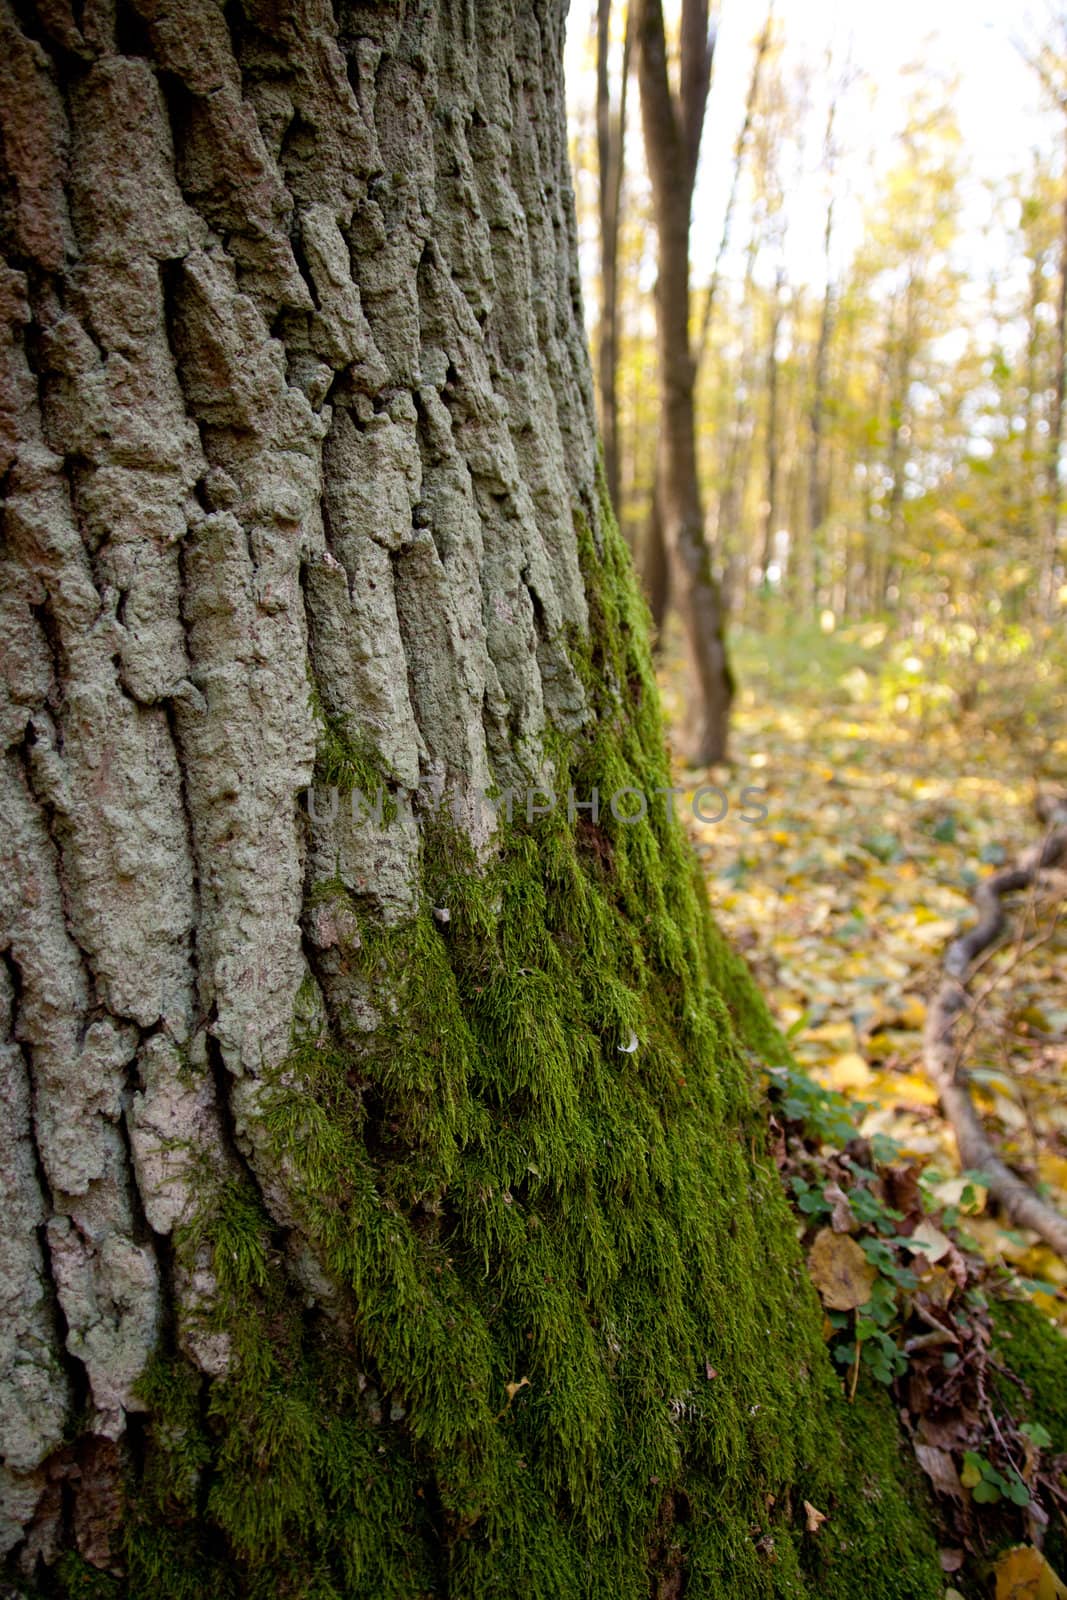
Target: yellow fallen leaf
{"points": [[912, 1012], [934, 933], [1024, 1574], [832, 1033], [848, 1071], [840, 1271], [1053, 1169], [908, 1087]]}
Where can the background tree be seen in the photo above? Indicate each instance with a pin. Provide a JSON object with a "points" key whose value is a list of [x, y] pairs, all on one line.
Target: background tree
{"points": [[1050, 62], [673, 121], [611, 147]]}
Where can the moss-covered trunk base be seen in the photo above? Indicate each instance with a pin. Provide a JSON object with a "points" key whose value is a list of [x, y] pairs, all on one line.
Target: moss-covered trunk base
{"points": [[570, 1348]]}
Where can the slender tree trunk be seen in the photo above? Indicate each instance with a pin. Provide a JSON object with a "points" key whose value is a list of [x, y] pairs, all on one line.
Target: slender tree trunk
{"points": [[1031, 488], [731, 533], [656, 570], [773, 444], [1054, 491], [818, 475], [611, 140], [763, 44], [672, 128], [818, 508]]}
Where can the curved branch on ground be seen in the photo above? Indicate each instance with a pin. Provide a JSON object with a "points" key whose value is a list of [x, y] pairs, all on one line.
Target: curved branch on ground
{"points": [[942, 1056]]}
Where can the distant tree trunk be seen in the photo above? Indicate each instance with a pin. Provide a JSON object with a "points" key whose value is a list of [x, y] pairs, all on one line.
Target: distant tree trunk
{"points": [[656, 570], [1054, 493], [818, 476], [1032, 486], [818, 507], [773, 443], [763, 44], [886, 534], [611, 140], [732, 536], [672, 128]]}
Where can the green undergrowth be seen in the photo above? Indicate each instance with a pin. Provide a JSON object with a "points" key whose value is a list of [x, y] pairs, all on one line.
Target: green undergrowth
{"points": [[1033, 1350], [572, 1350]]}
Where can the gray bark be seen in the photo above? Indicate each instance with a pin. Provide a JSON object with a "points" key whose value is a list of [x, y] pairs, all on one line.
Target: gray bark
{"points": [[294, 388]]}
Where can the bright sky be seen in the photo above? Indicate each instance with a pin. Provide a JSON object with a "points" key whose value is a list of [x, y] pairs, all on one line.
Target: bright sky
{"points": [[998, 104]]}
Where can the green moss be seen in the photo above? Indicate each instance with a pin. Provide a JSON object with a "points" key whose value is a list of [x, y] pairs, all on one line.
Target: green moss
{"points": [[573, 1343], [1035, 1352], [347, 761]]}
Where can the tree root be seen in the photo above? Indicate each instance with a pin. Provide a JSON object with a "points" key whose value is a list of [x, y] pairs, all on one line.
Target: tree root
{"points": [[942, 1057]]}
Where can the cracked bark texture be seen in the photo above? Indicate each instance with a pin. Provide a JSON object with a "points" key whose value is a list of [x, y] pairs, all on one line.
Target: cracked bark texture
{"points": [[294, 388]]}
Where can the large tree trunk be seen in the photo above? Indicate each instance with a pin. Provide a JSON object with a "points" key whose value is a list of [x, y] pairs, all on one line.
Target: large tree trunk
{"points": [[672, 127], [385, 1206]]}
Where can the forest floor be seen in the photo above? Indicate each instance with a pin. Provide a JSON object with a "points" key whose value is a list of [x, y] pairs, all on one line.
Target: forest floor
{"points": [[886, 804]]}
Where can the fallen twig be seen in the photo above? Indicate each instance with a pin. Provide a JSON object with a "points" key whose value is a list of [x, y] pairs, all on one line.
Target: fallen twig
{"points": [[942, 1054]]}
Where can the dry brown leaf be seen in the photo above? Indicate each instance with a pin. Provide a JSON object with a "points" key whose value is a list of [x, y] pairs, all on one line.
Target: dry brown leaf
{"points": [[842, 1218], [1024, 1574], [840, 1271], [814, 1517], [941, 1471]]}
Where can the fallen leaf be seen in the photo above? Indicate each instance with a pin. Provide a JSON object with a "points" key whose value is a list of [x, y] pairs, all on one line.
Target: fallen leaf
{"points": [[842, 1218], [1024, 1574], [849, 1071], [932, 1242], [512, 1389], [840, 1271], [815, 1518], [941, 1471]]}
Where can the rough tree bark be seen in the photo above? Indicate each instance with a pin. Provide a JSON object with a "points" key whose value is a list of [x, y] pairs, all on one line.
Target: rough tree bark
{"points": [[385, 1205], [673, 123]]}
